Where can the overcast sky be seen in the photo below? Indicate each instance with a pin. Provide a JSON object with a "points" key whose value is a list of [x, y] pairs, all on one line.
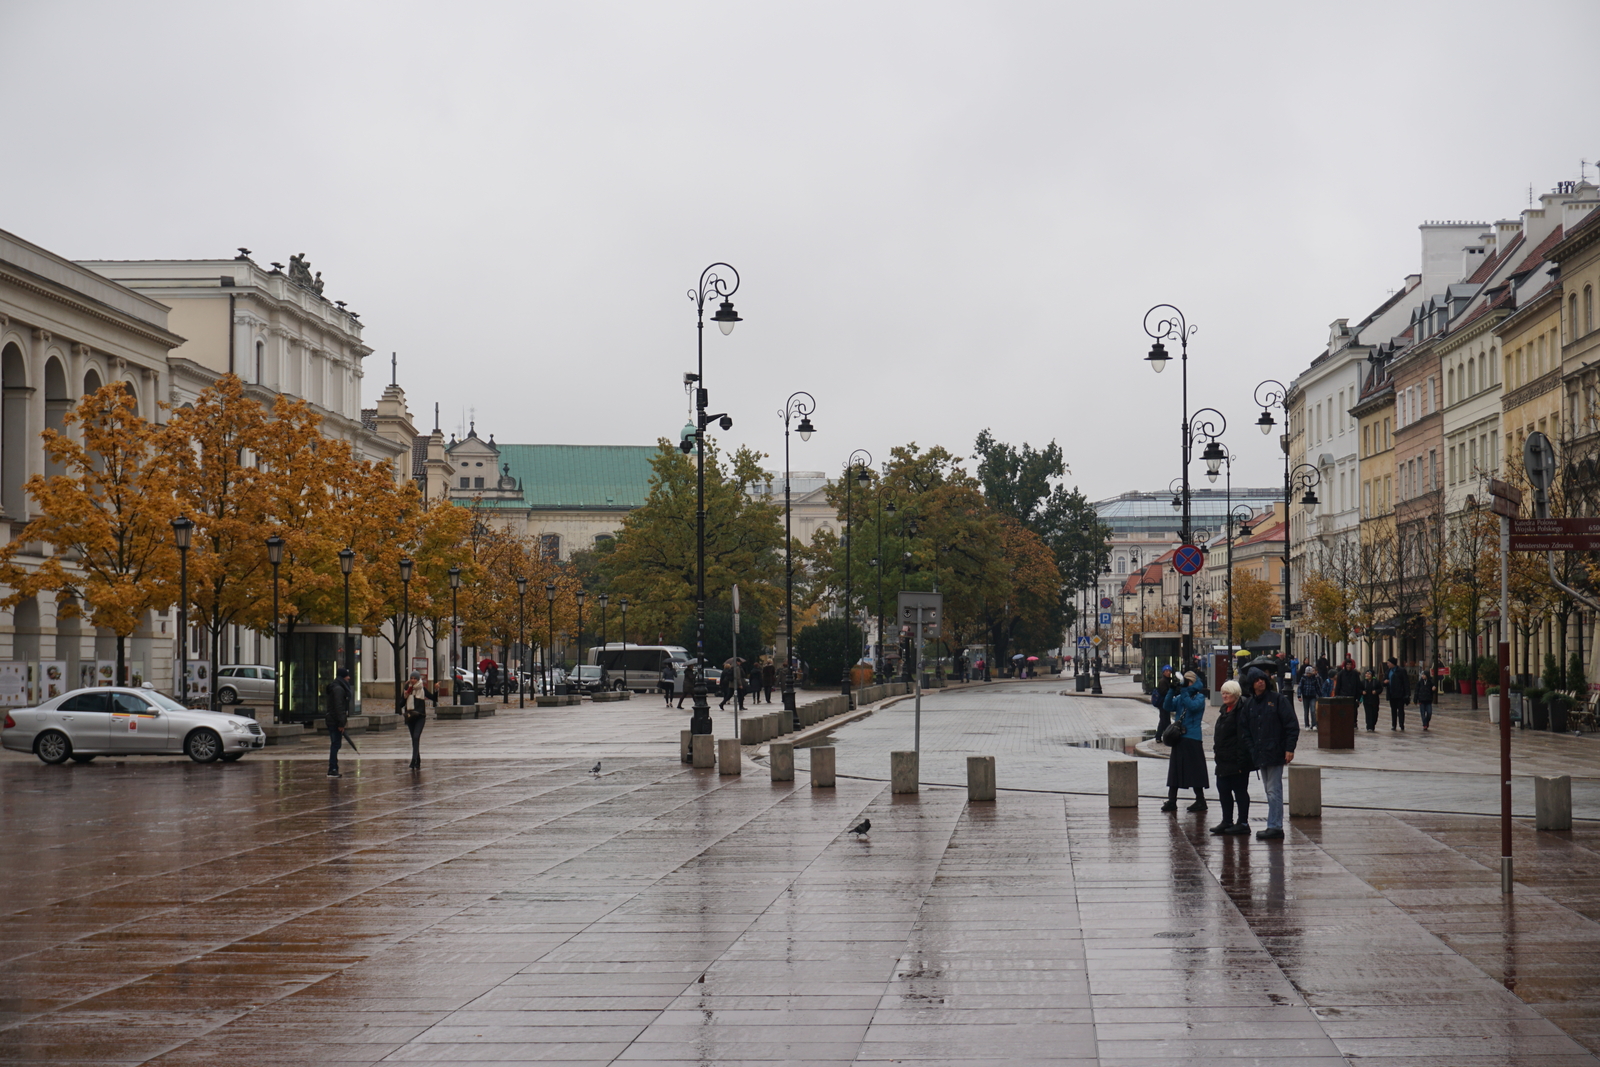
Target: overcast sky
{"points": [[947, 216]]}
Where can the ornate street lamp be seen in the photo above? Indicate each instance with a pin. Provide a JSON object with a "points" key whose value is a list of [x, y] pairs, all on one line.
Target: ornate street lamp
{"points": [[623, 604], [604, 598], [578, 663], [801, 404], [455, 652], [347, 562], [550, 638], [402, 643], [1274, 394], [182, 528], [712, 285], [275, 557], [878, 666], [522, 631], [855, 470], [1238, 518]]}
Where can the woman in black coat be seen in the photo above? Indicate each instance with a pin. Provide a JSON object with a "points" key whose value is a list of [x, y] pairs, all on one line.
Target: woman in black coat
{"points": [[1371, 693], [1232, 752]]}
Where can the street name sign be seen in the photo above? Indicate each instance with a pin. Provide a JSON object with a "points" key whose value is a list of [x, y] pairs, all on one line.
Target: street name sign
{"points": [[1555, 527], [1188, 559], [1533, 543]]}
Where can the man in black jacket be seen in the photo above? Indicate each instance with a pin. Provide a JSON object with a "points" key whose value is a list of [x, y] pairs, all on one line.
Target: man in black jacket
{"points": [[337, 715], [1399, 693], [1272, 731]]}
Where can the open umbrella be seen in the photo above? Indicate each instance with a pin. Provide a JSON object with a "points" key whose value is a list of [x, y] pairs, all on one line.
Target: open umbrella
{"points": [[1017, 656], [1033, 659]]}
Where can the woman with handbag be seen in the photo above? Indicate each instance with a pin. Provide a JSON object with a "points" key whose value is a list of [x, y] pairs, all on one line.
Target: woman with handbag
{"points": [[1186, 769], [1232, 752], [416, 705]]}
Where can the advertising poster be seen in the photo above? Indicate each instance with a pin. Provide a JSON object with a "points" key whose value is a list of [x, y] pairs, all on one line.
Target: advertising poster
{"points": [[52, 679], [14, 685], [197, 683]]}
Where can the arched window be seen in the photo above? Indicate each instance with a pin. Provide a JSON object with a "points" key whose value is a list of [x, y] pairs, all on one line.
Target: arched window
{"points": [[1588, 309], [261, 360], [1472, 377], [1122, 565], [1572, 317], [1450, 385]]}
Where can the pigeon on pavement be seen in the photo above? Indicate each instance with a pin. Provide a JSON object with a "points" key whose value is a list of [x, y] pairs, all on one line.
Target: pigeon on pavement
{"points": [[595, 770], [862, 827]]}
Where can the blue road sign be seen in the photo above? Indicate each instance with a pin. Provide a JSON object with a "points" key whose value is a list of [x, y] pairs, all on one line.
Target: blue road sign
{"points": [[1105, 618], [1083, 641], [1188, 559]]}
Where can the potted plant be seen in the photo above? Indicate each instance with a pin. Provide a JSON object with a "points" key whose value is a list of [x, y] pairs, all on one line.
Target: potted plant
{"points": [[1532, 697], [1560, 705], [1539, 714]]}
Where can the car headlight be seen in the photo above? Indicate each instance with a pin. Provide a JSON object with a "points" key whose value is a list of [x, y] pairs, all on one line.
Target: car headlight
{"points": [[237, 727]]}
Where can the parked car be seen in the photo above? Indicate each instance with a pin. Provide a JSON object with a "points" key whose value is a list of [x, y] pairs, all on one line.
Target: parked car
{"points": [[588, 678], [245, 684], [121, 721]]}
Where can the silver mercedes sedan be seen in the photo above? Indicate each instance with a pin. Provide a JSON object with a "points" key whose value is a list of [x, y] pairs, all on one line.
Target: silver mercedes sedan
{"points": [[119, 721]]}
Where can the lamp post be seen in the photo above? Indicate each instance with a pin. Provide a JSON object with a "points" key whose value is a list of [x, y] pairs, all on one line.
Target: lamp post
{"points": [[801, 404], [402, 642], [182, 528], [852, 466], [347, 562], [550, 638], [878, 665], [604, 598], [522, 635], [1238, 517], [712, 285], [275, 557], [455, 653], [1171, 323], [1274, 394], [578, 662], [623, 604]]}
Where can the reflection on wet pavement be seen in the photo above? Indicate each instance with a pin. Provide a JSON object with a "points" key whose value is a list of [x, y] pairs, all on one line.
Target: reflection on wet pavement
{"points": [[504, 911]]}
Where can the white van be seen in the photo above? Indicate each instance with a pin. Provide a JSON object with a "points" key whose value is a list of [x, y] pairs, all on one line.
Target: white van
{"points": [[638, 667]]}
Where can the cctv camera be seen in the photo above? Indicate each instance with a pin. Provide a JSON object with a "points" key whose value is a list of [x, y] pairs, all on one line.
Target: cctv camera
{"points": [[687, 445], [690, 377], [726, 422]]}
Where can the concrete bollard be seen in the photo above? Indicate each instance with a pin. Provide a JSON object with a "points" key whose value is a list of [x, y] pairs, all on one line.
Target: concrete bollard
{"points": [[980, 778], [903, 773], [781, 758], [1305, 791], [1122, 783], [780, 725], [705, 751], [729, 759], [750, 730], [684, 750], [1552, 802], [822, 767], [769, 726]]}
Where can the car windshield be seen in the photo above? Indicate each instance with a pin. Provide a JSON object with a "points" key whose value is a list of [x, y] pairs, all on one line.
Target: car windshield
{"points": [[588, 672], [165, 703]]}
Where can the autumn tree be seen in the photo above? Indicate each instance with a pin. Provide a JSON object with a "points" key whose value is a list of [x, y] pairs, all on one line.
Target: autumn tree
{"points": [[1255, 602], [106, 517]]}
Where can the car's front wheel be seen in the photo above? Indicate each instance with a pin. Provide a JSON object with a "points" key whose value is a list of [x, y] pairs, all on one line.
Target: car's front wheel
{"points": [[203, 746], [52, 746], [228, 695]]}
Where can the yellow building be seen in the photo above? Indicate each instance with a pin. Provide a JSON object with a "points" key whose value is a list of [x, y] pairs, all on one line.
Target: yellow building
{"points": [[1374, 412]]}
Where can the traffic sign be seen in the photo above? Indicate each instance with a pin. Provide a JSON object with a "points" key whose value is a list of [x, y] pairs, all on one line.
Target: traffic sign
{"points": [[1539, 460], [1105, 618], [1188, 559], [1105, 603], [1186, 593], [1083, 641], [1095, 640]]}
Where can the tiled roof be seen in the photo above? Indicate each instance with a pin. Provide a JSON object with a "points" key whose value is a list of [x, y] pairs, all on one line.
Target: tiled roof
{"points": [[578, 476], [1492, 263], [419, 457], [369, 418], [1271, 533], [1487, 306], [1536, 257]]}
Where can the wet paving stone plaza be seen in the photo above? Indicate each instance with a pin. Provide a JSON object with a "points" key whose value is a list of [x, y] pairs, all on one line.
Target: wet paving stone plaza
{"points": [[503, 905]]}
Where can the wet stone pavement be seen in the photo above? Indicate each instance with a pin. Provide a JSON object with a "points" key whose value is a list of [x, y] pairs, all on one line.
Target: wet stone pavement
{"points": [[516, 909]]}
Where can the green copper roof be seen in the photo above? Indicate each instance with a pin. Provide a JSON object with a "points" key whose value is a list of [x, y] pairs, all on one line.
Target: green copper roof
{"points": [[578, 476]]}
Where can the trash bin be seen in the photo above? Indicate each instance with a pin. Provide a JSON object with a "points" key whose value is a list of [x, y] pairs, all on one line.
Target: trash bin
{"points": [[466, 693], [1336, 722], [1082, 683]]}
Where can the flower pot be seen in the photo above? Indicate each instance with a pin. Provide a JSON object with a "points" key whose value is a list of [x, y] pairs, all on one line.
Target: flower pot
{"points": [[1541, 715], [1447, 685], [1483, 687], [1558, 717]]}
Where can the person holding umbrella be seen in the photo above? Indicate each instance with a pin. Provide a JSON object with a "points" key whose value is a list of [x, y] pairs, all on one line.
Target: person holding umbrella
{"points": [[1016, 665]]}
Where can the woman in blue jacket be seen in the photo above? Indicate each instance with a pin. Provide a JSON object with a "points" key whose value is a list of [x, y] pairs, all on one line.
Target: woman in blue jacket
{"points": [[1187, 767]]}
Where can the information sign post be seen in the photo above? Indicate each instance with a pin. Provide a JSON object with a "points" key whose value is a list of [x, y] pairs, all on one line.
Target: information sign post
{"points": [[920, 610]]}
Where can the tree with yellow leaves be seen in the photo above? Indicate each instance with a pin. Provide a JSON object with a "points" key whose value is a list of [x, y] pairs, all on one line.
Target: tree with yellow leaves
{"points": [[106, 518]]}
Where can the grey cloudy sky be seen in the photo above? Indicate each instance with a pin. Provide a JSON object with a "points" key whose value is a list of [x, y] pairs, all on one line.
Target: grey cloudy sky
{"points": [[947, 216]]}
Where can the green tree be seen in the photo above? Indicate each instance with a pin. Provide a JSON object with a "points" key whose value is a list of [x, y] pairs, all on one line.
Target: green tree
{"points": [[823, 646]]}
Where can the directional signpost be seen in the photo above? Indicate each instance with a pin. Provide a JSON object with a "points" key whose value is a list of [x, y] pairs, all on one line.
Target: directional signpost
{"points": [[921, 610]]}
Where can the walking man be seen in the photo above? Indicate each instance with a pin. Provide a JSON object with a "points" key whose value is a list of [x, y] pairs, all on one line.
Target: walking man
{"points": [[336, 716], [1310, 690], [1399, 692], [1272, 732]]}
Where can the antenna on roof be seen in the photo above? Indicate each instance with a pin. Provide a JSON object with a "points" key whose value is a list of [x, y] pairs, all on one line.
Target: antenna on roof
{"points": [[1583, 170], [394, 368], [436, 417]]}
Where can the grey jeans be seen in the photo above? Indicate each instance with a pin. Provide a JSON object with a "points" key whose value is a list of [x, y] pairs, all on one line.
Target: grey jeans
{"points": [[1272, 779]]}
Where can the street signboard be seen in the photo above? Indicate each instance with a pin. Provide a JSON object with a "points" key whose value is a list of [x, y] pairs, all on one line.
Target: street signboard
{"points": [[1555, 527], [1083, 641], [1105, 618], [1186, 593], [1105, 603], [1533, 543], [1188, 559], [924, 606], [1095, 640]]}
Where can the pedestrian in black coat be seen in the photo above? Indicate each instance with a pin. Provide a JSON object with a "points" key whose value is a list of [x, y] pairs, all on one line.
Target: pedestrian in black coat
{"points": [[1398, 690], [1272, 731], [337, 715], [1371, 693], [1234, 762], [1348, 681]]}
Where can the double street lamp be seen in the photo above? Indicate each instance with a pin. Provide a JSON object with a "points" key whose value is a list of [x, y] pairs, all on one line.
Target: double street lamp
{"points": [[275, 557], [182, 529], [801, 404], [1170, 323], [522, 632], [855, 470], [712, 285]]}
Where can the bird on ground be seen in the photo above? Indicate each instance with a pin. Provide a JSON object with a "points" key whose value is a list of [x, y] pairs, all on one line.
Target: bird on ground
{"points": [[862, 828], [595, 770]]}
